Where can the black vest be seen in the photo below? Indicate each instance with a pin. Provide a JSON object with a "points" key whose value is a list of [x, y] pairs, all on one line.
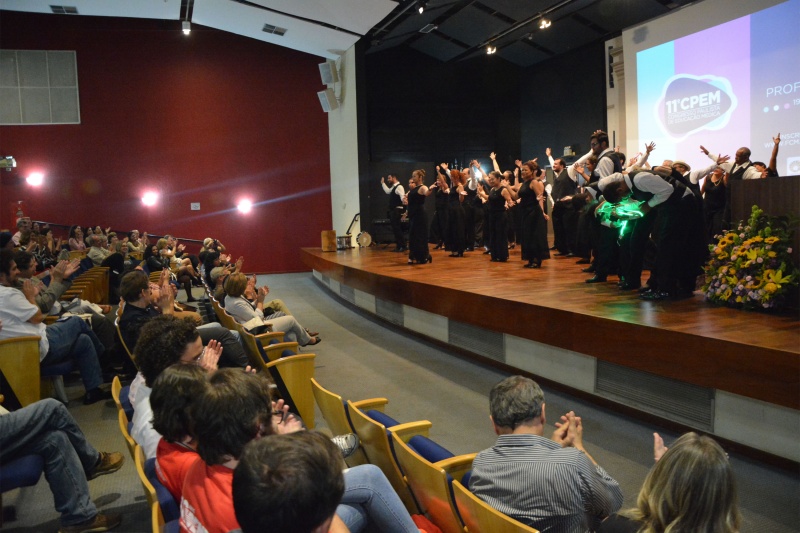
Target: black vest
{"points": [[563, 186], [614, 157], [395, 201]]}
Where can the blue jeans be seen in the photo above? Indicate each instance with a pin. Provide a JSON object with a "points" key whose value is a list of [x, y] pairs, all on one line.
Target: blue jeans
{"points": [[370, 498], [74, 339], [46, 428]]}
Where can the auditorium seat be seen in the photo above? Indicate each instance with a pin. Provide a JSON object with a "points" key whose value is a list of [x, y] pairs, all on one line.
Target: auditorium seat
{"points": [[480, 517], [334, 411], [377, 447], [429, 481]]}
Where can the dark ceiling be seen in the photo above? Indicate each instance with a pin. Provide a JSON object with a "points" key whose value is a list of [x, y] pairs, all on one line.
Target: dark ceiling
{"points": [[465, 28]]}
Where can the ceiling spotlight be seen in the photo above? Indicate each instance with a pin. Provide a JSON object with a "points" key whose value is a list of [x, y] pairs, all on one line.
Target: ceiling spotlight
{"points": [[187, 27], [491, 49], [421, 5], [544, 24], [35, 179]]}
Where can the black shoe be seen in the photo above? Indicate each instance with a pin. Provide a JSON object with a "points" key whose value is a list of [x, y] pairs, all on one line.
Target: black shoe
{"points": [[645, 288], [655, 296], [588, 270], [470, 250], [487, 252], [553, 248], [95, 395], [569, 254], [596, 279], [629, 286], [582, 262], [430, 258]]}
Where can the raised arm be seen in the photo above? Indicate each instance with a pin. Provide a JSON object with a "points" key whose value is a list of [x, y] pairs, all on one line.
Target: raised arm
{"points": [[495, 166], [773, 160]]}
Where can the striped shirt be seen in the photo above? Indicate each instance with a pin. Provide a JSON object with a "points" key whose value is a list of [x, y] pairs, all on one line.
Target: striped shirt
{"points": [[536, 481]]}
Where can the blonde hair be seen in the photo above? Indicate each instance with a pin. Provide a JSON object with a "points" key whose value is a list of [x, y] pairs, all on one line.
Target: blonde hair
{"points": [[161, 244], [235, 285], [419, 175], [691, 488]]}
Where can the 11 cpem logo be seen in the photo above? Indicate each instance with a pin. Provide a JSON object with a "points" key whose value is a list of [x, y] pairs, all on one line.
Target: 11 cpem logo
{"points": [[693, 103]]}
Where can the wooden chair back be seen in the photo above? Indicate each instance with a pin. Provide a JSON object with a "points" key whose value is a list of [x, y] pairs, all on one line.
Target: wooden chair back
{"points": [[19, 361], [430, 486], [375, 443], [123, 428], [480, 517], [296, 372]]}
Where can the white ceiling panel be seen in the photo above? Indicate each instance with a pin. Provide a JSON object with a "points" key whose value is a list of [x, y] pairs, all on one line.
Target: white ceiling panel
{"points": [[149, 9], [249, 21], [358, 16]]}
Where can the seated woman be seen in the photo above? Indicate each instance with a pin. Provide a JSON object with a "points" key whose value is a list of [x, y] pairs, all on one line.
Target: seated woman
{"points": [[157, 261], [171, 400], [184, 265], [76, 241], [245, 311], [690, 488]]}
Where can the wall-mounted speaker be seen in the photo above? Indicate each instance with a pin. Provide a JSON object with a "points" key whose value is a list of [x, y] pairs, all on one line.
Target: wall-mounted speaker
{"points": [[328, 72], [327, 99]]}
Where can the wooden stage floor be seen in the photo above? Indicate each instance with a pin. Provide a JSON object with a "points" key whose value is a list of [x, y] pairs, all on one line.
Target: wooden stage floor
{"points": [[752, 354]]}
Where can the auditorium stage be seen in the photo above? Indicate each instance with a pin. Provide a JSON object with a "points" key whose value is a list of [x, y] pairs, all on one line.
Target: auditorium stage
{"points": [[592, 338]]}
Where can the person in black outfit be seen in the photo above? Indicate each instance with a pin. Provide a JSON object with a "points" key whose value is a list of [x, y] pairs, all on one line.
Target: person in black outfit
{"points": [[455, 214], [563, 186], [533, 237], [396, 209], [714, 204], [470, 188], [499, 199], [418, 220], [438, 228]]}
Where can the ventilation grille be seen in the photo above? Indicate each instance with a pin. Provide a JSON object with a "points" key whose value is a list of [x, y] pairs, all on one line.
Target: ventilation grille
{"points": [[391, 311], [325, 279], [477, 340], [64, 10], [275, 30], [681, 402], [348, 293]]}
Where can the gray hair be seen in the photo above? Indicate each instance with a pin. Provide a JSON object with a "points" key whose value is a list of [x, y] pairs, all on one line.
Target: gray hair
{"points": [[515, 400]]}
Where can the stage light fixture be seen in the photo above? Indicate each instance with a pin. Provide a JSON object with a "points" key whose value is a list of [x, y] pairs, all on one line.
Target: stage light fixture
{"points": [[35, 179], [421, 5], [544, 24], [491, 50], [245, 206], [150, 198], [186, 26]]}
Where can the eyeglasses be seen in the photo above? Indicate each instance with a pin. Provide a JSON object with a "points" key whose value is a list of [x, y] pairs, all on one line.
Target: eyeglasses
{"points": [[594, 144]]}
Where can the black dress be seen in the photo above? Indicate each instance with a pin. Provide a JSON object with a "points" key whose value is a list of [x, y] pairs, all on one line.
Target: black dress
{"points": [[534, 226], [455, 223], [439, 222], [417, 227], [497, 227]]}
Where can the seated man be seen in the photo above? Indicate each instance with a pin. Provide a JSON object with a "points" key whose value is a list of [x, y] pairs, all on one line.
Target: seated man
{"points": [[236, 409], [98, 252], [174, 393], [48, 298], [46, 428], [551, 485], [139, 310], [66, 339], [288, 483], [163, 342]]}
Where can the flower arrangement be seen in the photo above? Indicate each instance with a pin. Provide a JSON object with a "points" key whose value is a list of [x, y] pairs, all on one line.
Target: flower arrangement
{"points": [[751, 267]]}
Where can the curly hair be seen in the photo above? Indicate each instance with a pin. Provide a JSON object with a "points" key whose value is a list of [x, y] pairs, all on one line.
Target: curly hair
{"points": [[175, 392], [234, 409], [161, 343]]}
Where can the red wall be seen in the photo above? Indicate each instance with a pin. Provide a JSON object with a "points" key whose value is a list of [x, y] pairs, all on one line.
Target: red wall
{"points": [[210, 118]]}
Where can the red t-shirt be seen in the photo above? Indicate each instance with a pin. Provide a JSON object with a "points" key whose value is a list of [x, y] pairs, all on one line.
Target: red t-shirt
{"points": [[173, 461], [207, 503]]}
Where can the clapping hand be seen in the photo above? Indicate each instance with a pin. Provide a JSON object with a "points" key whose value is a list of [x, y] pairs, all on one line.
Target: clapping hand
{"points": [[210, 356]]}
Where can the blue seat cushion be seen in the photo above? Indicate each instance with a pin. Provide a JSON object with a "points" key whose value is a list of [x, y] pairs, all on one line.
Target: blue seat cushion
{"points": [[428, 449], [169, 507], [58, 369], [382, 418], [124, 399], [23, 471]]}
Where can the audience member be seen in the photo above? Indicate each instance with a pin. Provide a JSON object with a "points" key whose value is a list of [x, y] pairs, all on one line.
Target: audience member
{"points": [[139, 310], [98, 252], [66, 339], [23, 233], [690, 488], [552, 485], [163, 342], [46, 428], [172, 399]]}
